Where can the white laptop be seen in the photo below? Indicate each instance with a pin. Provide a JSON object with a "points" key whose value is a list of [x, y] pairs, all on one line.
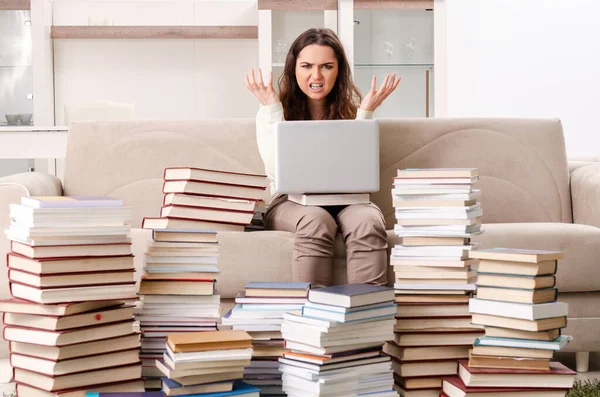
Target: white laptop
{"points": [[326, 156]]}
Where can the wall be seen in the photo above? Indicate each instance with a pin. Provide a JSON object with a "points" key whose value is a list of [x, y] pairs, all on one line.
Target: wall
{"points": [[535, 58], [164, 78]]}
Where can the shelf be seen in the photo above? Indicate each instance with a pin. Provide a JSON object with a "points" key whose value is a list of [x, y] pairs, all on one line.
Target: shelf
{"points": [[300, 5], [154, 32], [393, 65], [393, 4], [15, 4], [278, 65]]}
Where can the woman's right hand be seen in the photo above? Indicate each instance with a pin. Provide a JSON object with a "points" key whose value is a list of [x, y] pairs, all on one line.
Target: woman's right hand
{"points": [[264, 93]]}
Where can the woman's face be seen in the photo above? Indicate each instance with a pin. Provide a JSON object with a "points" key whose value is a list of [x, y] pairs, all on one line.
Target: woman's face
{"points": [[316, 70]]}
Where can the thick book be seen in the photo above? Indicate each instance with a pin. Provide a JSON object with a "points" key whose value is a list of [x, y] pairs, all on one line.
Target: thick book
{"points": [[70, 201], [529, 296], [207, 214], [136, 385], [51, 323], [68, 337], [95, 292], [437, 173], [217, 176], [184, 236], [177, 287], [516, 255], [63, 309], [497, 332], [350, 295], [194, 224], [209, 202], [544, 324], [69, 265], [277, 289], [518, 310], [55, 353], [330, 199], [213, 189], [63, 251], [173, 388], [64, 280], [558, 377], [453, 386], [515, 281], [75, 365], [208, 341], [506, 362], [81, 379], [543, 268]]}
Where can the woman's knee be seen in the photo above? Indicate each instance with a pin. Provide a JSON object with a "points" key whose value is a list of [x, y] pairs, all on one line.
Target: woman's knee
{"points": [[317, 223]]}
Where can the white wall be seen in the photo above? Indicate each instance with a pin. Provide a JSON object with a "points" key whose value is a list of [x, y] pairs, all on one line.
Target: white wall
{"points": [[164, 78], [534, 58]]}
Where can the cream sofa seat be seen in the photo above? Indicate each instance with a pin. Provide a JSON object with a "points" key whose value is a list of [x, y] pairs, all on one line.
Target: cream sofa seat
{"points": [[531, 194]]}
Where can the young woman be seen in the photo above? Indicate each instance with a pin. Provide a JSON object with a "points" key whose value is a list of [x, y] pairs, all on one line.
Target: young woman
{"points": [[317, 85]]}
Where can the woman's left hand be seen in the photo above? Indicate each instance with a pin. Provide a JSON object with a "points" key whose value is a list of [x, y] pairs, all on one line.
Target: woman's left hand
{"points": [[375, 97]]}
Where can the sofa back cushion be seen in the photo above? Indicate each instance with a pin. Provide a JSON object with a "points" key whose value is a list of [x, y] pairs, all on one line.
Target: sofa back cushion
{"points": [[523, 166]]}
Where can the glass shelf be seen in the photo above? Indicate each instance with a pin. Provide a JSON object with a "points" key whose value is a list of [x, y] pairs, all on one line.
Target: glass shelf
{"points": [[394, 65], [278, 65]]}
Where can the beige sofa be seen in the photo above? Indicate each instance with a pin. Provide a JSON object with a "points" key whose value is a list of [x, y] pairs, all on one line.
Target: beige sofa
{"points": [[531, 196]]}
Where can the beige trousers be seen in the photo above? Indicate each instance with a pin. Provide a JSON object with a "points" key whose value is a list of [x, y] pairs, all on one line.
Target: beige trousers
{"points": [[362, 227]]}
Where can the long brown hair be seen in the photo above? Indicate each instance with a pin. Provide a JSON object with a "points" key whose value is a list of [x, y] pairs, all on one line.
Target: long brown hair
{"points": [[341, 103]]}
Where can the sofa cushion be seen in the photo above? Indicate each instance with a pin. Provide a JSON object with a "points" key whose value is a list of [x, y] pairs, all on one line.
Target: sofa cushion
{"points": [[126, 159]]}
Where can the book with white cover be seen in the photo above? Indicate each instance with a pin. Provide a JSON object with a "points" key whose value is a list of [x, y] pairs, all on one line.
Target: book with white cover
{"points": [[518, 310], [330, 199]]}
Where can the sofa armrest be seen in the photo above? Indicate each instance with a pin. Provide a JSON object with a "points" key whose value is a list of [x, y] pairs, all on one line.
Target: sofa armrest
{"points": [[585, 195], [575, 163]]}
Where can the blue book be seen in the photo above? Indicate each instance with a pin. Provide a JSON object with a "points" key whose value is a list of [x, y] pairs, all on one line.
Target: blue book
{"points": [[127, 394], [351, 295]]}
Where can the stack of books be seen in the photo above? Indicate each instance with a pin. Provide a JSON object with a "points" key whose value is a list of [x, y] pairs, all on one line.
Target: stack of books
{"points": [[336, 343], [516, 302], [207, 362], [437, 212], [181, 263], [70, 323], [259, 310]]}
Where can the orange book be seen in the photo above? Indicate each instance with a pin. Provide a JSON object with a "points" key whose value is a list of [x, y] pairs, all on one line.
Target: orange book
{"points": [[207, 341]]}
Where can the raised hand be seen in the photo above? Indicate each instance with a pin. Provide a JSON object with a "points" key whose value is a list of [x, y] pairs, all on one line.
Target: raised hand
{"points": [[264, 93], [375, 97]]}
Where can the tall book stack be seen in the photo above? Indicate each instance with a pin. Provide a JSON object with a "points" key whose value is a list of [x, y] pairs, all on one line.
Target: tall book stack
{"points": [[259, 310], [437, 212], [70, 323], [516, 302], [181, 264], [207, 363], [335, 344]]}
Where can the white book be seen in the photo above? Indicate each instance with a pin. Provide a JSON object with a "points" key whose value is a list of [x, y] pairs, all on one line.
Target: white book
{"points": [[475, 193], [518, 310], [431, 250], [456, 287], [330, 199], [438, 215]]}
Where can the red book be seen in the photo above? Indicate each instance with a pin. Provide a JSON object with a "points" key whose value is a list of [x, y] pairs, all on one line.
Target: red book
{"points": [[452, 386], [558, 377]]}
